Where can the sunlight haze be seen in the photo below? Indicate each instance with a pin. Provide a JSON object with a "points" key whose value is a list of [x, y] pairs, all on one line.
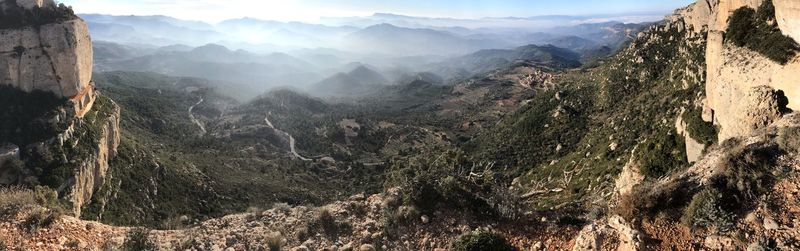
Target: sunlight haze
{"points": [[312, 10]]}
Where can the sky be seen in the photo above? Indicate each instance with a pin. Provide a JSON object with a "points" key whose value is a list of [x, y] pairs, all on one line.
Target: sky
{"points": [[213, 11]]}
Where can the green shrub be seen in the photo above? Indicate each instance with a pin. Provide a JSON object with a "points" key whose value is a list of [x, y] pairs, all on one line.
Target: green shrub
{"points": [[664, 153], [646, 200], [702, 131], [14, 199], [40, 218], [758, 31], [138, 240], [282, 207], [789, 139], [480, 240], [326, 222], [707, 210]]}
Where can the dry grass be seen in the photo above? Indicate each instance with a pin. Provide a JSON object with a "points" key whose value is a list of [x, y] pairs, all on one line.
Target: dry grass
{"points": [[40, 218], [275, 241], [15, 199]]}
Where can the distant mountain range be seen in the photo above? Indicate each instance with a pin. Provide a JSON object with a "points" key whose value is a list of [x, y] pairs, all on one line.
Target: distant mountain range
{"points": [[381, 33], [250, 73], [487, 60], [359, 81]]}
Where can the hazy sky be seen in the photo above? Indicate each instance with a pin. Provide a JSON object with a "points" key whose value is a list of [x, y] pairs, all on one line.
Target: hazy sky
{"points": [[309, 10]]}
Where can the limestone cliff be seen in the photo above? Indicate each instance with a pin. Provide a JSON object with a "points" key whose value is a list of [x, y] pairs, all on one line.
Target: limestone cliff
{"points": [[743, 86], [52, 53], [46, 47], [91, 173]]}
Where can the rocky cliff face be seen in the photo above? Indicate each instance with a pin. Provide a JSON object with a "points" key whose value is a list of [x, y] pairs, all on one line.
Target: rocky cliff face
{"points": [[742, 85], [45, 47], [52, 56], [92, 172], [787, 13]]}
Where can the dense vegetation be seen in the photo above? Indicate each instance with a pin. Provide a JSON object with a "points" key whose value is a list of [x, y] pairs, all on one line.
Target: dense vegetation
{"points": [[26, 117], [700, 130], [481, 241], [16, 17], [33, 121], [758, 31], [576, 138]]}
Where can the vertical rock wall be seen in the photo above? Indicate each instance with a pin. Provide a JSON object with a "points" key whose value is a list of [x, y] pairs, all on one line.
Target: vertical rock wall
{"points": [[737, 81], [92, 172], [54, 57]]}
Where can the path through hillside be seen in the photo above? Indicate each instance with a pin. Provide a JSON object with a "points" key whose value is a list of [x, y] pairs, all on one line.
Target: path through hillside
{"points": [[197, 122], [292, 142]]}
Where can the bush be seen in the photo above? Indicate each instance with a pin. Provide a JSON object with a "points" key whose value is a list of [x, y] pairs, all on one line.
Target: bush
{"points": [[326, 222], [16, 17], [40, 218], [758, 31], [282, 207], [707, 211], [275, 241], [663, 154], [789, 139], [138, 240], [480, 240], [646, 200], [702, 131], [14, 199]]}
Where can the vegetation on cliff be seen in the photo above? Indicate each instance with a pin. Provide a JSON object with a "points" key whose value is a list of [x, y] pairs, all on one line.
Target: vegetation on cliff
{"points": [[13, 16], [758, 31]]}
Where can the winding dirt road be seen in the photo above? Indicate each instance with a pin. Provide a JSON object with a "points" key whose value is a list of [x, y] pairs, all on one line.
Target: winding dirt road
{"points": [[292, 142], [197, 122]]}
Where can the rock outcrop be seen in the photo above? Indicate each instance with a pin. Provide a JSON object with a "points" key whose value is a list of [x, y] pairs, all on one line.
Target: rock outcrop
{"points": [[612, 234], [736, 75], [787, 13], [694, 149], [92, 173], [54, 57]]}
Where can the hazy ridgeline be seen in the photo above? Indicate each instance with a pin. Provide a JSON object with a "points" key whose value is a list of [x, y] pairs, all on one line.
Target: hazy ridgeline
{"points": [[249, 56]]}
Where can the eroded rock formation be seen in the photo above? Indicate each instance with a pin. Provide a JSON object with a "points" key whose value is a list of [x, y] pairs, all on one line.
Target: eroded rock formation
{"points": [[54, 57], [92, 172], [736, 75]]}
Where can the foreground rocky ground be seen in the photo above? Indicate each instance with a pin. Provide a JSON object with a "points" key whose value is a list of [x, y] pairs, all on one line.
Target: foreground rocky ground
{"points": [[379, 222]]}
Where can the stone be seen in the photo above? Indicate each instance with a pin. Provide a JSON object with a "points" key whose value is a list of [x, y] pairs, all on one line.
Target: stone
{"points": [[300, 248], [366, 247], [347, 247], [538, 246], [770, 224], [425, 219], [752, 218]]}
